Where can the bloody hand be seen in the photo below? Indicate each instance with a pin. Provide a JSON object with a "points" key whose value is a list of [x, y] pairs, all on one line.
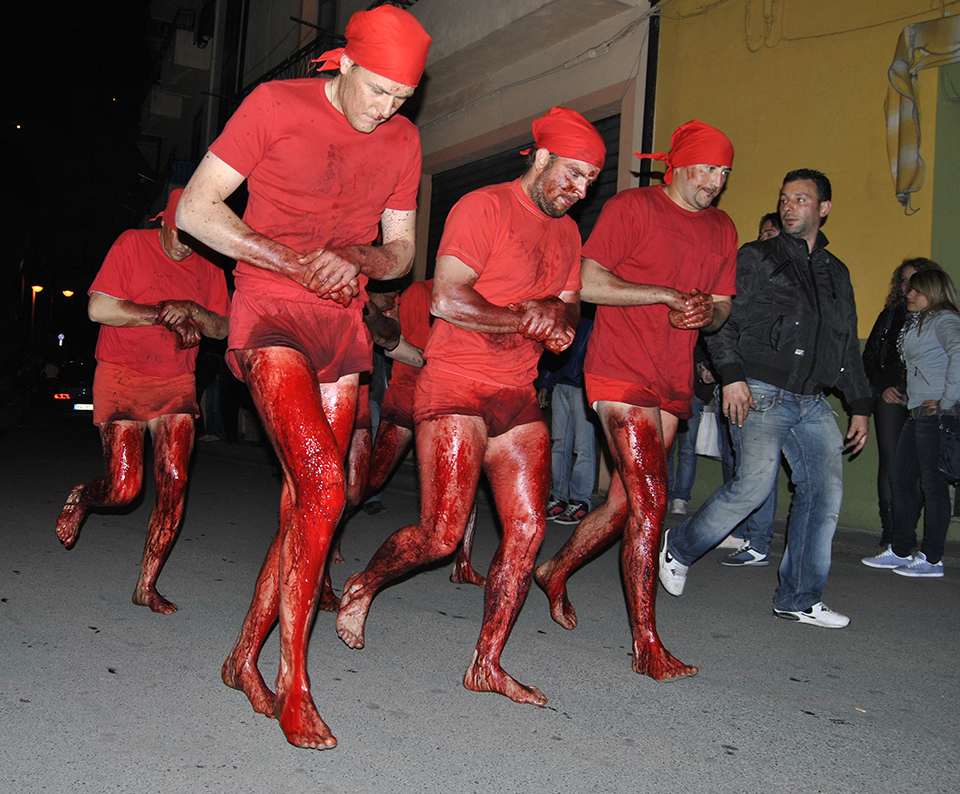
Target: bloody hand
{"points": [[697, 314], [188, 335]]}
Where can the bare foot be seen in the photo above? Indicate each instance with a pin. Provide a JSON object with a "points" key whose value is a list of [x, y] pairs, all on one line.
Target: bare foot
{"points": [[489, 678], [149, 597], [464, 573], [68, 524], [301, 722], [353, 613], [561, 610], [652, 659], [246, 678]]}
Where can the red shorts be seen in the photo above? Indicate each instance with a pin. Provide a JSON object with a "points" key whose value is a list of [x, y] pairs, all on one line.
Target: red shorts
{"points": [[120, 393], [618, 391], [502, 408], [397, 405], [335, 341]]}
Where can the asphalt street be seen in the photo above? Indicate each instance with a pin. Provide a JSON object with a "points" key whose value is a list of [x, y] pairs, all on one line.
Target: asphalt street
{"points": [[99, 695]]}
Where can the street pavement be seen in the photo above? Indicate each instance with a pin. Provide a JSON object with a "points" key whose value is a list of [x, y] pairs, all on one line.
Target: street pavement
{"points": [[99, 695]]}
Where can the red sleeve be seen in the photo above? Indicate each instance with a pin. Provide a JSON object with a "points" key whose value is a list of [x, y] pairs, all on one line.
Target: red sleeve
{"points": [[622, 221], [114, 276], [470, 230], [247, 134]]}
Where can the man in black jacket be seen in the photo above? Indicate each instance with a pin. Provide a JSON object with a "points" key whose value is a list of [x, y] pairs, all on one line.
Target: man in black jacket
{"points": [[791, 335]]}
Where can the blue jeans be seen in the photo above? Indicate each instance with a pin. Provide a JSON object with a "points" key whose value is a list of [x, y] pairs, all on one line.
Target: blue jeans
{"points": [[685, 445], [918, 454], [803, 428], [757, 528], [573, 446]]}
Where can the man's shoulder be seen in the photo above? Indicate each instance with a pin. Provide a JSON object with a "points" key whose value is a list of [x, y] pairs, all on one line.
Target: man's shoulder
{"points": [[137, 238]]}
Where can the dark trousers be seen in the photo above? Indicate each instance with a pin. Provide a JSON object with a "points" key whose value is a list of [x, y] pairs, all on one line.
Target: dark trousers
{"points": [[918, 453]]}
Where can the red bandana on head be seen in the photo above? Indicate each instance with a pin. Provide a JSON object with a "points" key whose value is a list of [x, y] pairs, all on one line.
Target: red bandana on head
{"points": [[694, 143], [169, 215], [387, 41], [566, 133]]}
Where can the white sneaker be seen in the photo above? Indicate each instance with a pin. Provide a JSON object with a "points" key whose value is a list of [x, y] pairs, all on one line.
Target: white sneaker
{"points": [[678, 507], [886, 559], [817, 615], [673, 575], [918, 567]]}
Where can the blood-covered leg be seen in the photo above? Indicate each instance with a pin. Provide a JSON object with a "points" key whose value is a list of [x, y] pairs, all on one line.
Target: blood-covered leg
{"points": [[638, 438], [310, 427], [389, 447], [358, 471], [172, 446], [463, 570], [599, 529], [518, 467], [450, 455], [123, 455]]}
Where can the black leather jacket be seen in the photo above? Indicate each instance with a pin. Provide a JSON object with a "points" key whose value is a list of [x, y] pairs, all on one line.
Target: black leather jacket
{"points": [[794, 322]]}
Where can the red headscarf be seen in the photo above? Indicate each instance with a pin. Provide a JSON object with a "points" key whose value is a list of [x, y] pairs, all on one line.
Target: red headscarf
{"points": [[694, 143], [566, 133], [387, 41], [169, 215]]}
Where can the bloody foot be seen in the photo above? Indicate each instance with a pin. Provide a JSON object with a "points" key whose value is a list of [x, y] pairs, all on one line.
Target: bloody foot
{"points": [[68, 524], [246, 678], [492, 678], [149, 597], [652, 659], [353, 613], [463, 572], [301, 722], [561, 610]]}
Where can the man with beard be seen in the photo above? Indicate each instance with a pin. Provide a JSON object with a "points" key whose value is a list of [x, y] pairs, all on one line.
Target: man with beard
{"points": [[507, 282], [661, 264]]}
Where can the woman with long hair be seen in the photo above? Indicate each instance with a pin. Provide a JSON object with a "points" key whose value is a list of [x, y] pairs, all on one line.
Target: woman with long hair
{"points": [[930, 346], [888, 381]]}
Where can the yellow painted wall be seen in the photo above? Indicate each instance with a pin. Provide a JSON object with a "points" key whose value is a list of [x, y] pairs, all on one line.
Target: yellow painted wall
{"points": [[801, 84]]}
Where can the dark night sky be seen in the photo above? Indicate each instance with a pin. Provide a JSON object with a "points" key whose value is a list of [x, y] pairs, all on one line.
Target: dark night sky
{"points": [[75, 77]]}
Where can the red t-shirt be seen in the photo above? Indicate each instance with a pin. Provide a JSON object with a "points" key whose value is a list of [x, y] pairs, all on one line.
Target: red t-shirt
{"points": [[314, 181], [136, 269], [414, 313], [645, 238], [519, 253]]}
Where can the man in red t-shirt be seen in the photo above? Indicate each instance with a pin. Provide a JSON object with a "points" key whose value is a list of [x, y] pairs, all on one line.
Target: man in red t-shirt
{"points": [[507, 283], [328, 167], [153, 298], [660, 264]]}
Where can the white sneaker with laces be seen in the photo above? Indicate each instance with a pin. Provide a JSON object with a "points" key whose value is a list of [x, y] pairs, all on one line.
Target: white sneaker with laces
{"points": [[678, 507], [818, 615], [673, 575], [886, 559], [918, 567]]}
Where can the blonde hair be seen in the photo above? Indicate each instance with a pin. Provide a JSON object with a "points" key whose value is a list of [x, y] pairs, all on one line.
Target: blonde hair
{"points": [[937, 287]]}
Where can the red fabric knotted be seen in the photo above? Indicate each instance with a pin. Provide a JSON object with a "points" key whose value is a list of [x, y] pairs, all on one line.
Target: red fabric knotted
{"points": [[694, 143], [387, 41]]}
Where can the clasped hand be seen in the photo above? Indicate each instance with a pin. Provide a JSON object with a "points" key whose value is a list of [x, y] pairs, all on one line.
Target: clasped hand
{"points": [[544, 320], [330, 274], [177, 316], [689, 312]]}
